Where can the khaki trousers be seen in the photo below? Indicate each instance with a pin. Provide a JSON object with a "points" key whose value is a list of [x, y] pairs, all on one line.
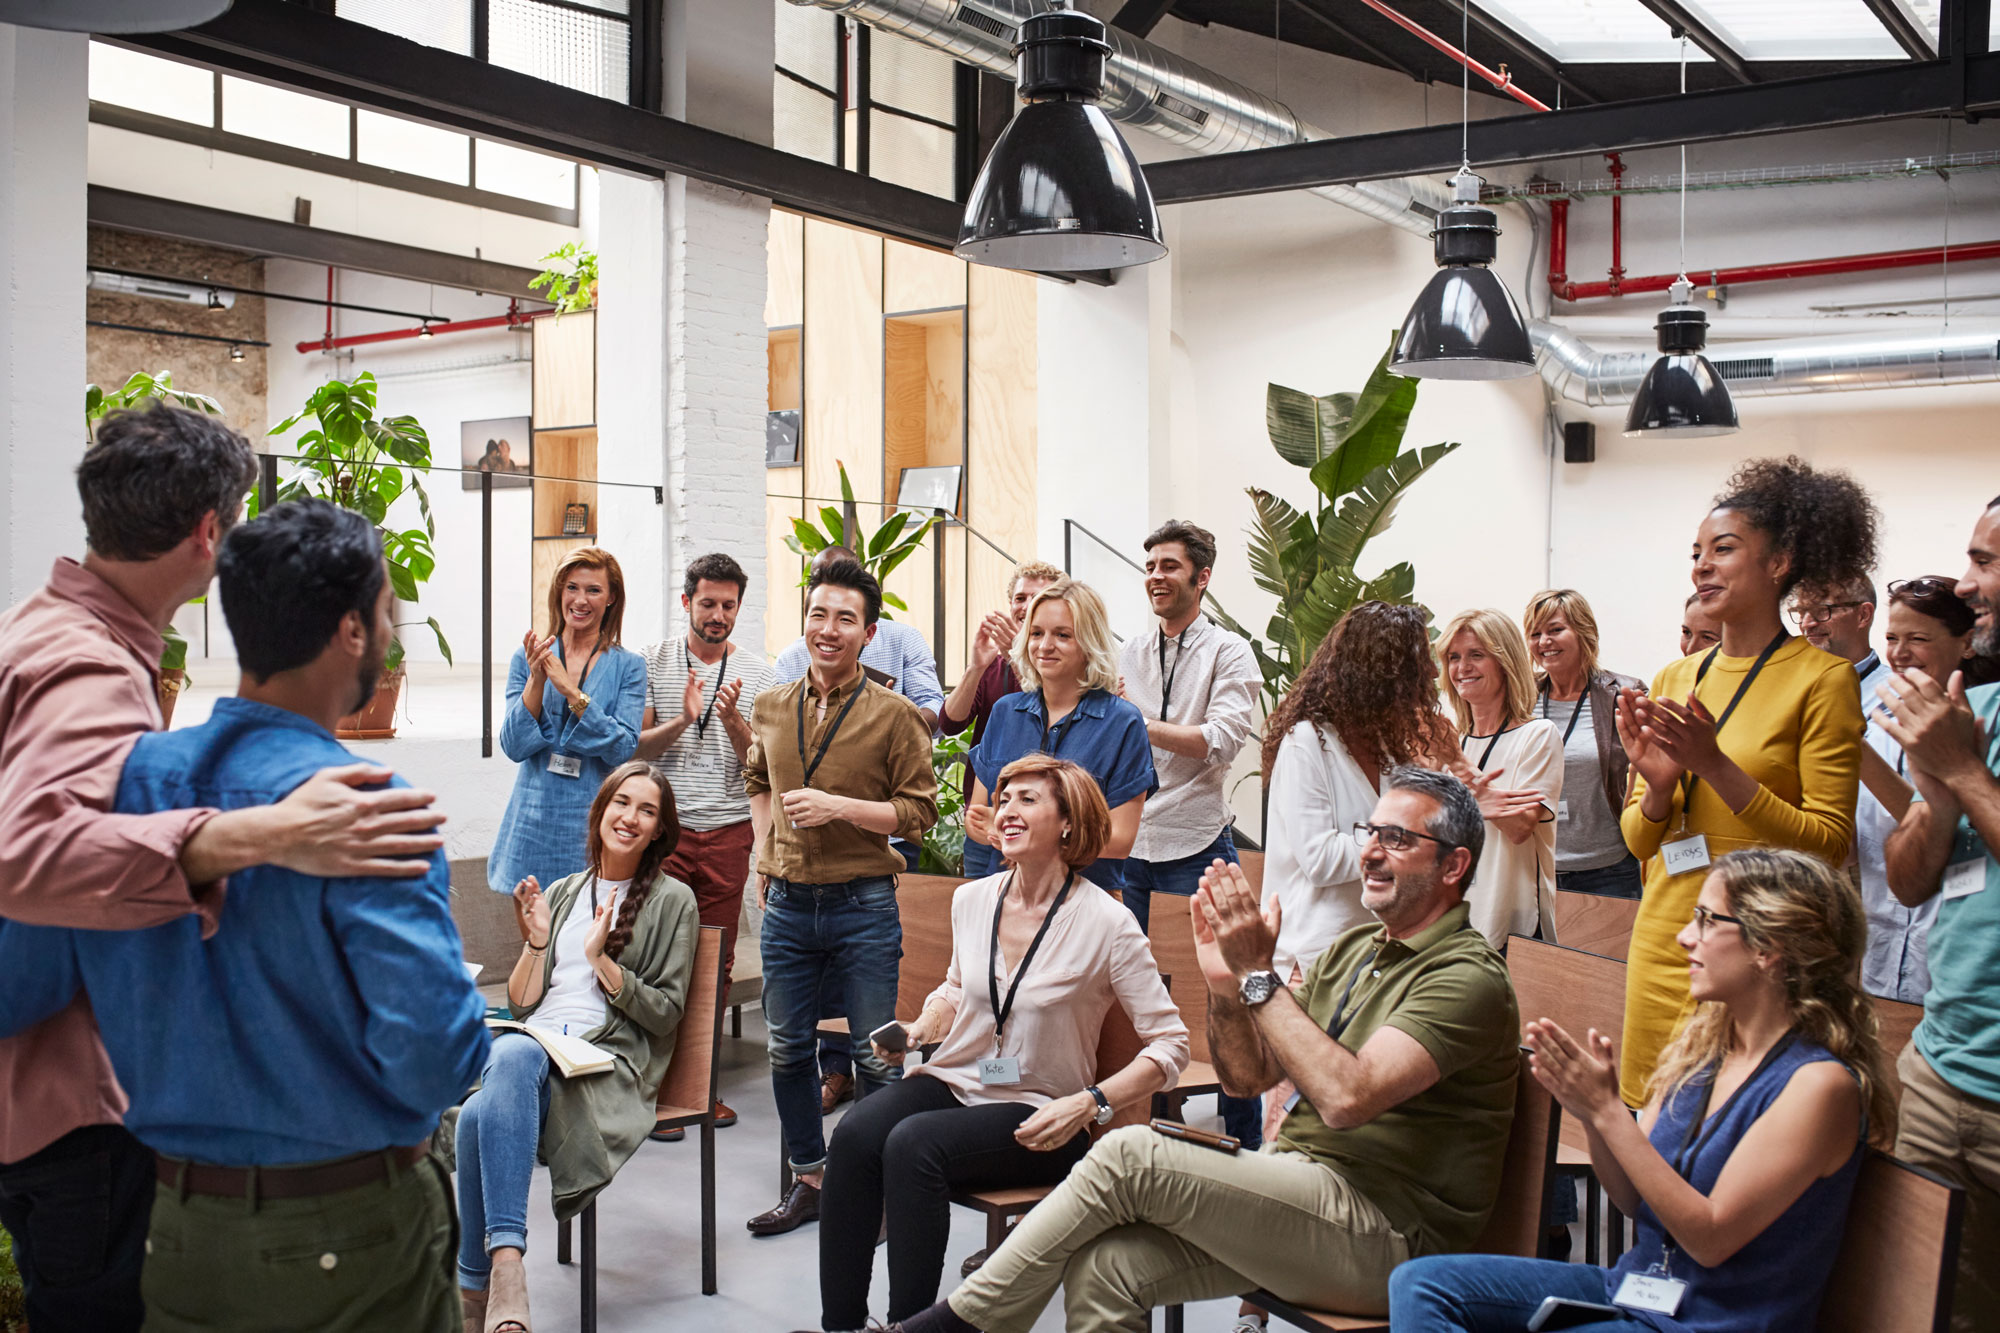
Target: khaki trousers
{"points": [[1956, 1135], [1145, 1220]]}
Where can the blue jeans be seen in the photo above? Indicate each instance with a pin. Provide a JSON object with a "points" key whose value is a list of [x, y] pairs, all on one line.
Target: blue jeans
{"points": [[819, 938], [1242, 1117], [1480, 1293], [499, 1129], [1620, 879]]}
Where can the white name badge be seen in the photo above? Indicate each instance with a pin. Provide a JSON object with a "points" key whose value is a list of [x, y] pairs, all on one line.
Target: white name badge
{"points": [[1562, 812], [1962, 879], [566, 765], [1646, 1291], [1687, 854], [1002, 1071]]}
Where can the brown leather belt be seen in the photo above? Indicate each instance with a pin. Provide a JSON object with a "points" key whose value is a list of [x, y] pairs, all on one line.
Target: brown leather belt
{"points": [[286, 1182]]}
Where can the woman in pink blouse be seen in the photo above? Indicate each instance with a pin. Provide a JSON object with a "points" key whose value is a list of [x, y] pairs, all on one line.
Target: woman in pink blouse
{"points": [[1008, 1098]]}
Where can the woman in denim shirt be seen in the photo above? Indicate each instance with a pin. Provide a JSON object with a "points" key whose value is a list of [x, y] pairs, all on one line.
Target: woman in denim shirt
{"points": [[574, 702]]}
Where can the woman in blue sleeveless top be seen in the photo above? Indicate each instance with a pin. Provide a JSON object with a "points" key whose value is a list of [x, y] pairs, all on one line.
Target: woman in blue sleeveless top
{"points": [[1739, 1171]]}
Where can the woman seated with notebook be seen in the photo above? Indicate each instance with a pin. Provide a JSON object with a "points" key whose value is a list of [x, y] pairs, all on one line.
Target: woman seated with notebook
{"points": [[606, 958], [1039, 956], [1739, 1171]]}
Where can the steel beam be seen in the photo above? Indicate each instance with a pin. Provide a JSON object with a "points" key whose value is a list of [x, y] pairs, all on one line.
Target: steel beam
{"points": [[1888, 92], [1140, 17], [150, 215], [289, 45], [1912, 36], [1708, 39]]}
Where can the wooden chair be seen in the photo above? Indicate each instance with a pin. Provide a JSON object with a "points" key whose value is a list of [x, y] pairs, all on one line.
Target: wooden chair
{"points": [[746, 980], [1170, 931], [923, 906], [686, 1100], [1899, 1254], [1897, 1022], [486, 929], [1595, 923], [1516, 1226]]}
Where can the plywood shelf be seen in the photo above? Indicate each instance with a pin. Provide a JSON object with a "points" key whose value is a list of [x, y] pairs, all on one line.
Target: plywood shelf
{"points": [[565, 444]]}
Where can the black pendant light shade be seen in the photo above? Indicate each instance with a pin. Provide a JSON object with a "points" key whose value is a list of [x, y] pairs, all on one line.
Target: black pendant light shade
{"points": [[1060, 191], [1681, 396], [1464, 325], [110, 15]]}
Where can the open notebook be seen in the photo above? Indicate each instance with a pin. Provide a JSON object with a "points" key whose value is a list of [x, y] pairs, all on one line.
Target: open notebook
{"points": [[573, 1056]]}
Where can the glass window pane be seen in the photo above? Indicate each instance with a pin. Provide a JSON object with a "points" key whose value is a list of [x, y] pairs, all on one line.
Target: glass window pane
{"points": [[148, 83], [1804, 30], [801, 120], [283, 116], [505, 169], [1592, 31], [910, 152], [914, 78], [441, 23], [582, 51], [808, 43], [421, 150]]}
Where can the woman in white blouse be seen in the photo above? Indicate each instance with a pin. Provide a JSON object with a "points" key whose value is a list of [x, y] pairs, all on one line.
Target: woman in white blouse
{"points": [[1512, 760], [1038, 959]]}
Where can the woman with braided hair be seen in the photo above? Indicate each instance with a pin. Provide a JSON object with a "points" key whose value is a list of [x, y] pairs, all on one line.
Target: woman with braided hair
{"points": [[606, 956], [1756, 742]]}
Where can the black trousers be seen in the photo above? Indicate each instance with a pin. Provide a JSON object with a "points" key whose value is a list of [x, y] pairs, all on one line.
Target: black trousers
{"points": [[78, 1212], [906, 1147]]}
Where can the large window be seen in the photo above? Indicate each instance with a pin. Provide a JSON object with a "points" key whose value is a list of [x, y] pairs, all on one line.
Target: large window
{"points": [[598, 47]]}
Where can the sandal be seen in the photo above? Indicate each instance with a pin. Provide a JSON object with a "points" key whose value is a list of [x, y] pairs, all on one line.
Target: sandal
{"points": [[507, 1292], [473, 1303]]}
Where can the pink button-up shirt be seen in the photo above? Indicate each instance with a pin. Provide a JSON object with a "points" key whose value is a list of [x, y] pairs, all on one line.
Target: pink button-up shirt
{"points": [[79, 671], [1094, 956]]}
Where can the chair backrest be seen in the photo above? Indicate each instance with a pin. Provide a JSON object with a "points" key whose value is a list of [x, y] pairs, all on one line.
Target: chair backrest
{"points": [[485, 920], [690, 1076], [923, 902], [1170, 930], [1520, 1216], [1253, 869], [1595, 923], [1898, 1255], [1897, 1022], [1577, 989], [1118, 1045]]}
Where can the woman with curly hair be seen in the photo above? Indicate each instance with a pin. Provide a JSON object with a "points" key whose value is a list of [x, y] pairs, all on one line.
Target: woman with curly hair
{"points": [[1755, 742], [1739, 1173]]}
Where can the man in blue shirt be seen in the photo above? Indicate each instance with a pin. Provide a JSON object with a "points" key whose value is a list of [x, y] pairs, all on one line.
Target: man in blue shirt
{"points": [[290, 1070]]}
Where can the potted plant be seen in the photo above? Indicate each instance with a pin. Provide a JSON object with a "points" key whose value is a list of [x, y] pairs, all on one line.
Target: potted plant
{"points": [[98, 404], [880, 553], [359, 460], [569, 279]]}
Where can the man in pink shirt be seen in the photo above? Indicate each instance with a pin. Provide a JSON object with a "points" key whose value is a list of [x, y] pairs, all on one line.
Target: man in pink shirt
{"points": [[79, 678]]}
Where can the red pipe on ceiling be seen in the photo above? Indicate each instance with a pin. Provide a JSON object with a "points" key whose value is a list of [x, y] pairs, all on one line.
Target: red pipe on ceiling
{"points": [[1617, 223], [1501, 80], [1836, 266], [512, 319]]}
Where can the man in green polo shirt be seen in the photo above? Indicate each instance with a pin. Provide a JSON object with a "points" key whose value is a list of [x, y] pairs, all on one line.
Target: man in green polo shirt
{"points": [[1402, 1042]]}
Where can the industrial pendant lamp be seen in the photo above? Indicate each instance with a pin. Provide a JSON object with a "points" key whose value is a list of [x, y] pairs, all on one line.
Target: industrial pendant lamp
{"points": [[1681, 395], [1060, 191], [110, 15], [1464, 325]]}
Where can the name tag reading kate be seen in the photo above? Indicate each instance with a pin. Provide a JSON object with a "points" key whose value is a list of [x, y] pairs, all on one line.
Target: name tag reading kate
{"points": [[1964, 878], [566, 765], [1650, 1291], [1690, 853], [1001, 1071]]}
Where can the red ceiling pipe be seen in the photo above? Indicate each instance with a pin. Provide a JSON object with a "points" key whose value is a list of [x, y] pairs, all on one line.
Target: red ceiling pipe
{"points": [[512, 319], [1498, 78], [1617, 224], [1558, 244], [1836, 266]]}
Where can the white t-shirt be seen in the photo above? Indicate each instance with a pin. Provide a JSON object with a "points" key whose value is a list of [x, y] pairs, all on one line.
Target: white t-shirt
{"points": [[574, 1002], [1312, 865], [1514, 890]]}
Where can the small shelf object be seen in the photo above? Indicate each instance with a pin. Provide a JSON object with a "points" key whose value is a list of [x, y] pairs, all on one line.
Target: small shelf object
{"points": [[576, 519], [565, 448]]}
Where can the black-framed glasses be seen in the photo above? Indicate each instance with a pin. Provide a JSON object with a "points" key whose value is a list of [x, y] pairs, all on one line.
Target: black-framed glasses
{"points": [[1395, 837], [1703, 919], [1819, 611]]}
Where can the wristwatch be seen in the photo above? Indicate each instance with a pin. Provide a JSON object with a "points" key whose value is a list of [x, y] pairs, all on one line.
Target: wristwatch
{"points": [[581, 704], [1258, 987], [1102, 1116]]}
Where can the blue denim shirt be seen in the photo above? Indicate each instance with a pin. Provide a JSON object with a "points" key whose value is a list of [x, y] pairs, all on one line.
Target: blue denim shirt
{"points": [[324, 1018], [542, 834], [897, 650]]}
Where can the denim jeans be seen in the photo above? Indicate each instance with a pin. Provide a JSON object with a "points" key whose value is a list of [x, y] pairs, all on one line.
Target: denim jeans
{"points": [[78, 1211], [499, 1129], [1620, 879], [819, 937], [1479, 1293]]}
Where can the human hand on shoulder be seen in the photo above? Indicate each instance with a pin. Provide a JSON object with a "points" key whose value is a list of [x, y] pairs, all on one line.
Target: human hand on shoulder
{"points": [[346, 822]]}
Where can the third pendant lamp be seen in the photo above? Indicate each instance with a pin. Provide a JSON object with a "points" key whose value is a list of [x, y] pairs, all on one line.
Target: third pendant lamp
{"points": [[1061, 190]]}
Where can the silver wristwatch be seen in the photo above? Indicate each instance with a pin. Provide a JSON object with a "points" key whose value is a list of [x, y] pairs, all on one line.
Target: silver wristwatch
{"points": [[1258, 987], [1102, 1115]]}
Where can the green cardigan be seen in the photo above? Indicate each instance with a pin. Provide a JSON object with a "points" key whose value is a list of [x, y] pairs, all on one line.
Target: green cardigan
{"points": [[596, 1122]]}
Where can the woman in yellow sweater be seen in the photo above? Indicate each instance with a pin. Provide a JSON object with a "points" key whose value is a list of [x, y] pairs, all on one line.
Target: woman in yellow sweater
{"points": [[1756, 742]]}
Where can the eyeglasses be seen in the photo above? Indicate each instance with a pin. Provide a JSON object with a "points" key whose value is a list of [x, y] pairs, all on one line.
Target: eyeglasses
{"points": [[1395, 837], [1928, 585], [1812, 615], [1703, 919]]}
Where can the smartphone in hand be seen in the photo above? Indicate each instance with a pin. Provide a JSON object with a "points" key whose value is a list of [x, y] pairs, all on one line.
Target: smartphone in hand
{"points": [[891, 1037], [1555, 1312], [1174, 1129]]}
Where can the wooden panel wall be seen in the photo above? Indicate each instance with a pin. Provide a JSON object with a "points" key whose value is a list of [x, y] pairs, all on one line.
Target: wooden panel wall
{"points": [[914, 278], [785, 289], [843, 356], [565, 353], [784, 304], [1000, 449], [906, 401]]}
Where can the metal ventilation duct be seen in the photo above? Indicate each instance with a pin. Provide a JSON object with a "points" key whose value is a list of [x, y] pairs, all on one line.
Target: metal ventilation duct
{"points": [[1146, 88], [1581, 374]]}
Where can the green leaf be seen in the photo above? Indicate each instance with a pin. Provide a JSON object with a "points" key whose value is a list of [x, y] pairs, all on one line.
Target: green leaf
{"points": [[403, 582], [890, 599], [1367, 512], [1372, 435], [895, 559], [1283, 547], [443, 647], [885, 535], [835, 526], [1292, 420], [806, 539]]}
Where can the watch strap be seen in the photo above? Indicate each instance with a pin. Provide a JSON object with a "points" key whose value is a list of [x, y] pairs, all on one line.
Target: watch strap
{"points": [[1258, 987], [1103, 1102]]}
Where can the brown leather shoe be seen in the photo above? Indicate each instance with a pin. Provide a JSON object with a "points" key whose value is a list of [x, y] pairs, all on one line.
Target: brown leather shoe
{"points": [[833, 1090], [972, 1262], [724, 1117], [671, 1134], [799, 1206]]}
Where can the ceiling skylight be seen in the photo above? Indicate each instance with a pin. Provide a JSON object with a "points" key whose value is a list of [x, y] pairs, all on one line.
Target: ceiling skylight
{"points": [[1586, 32]]}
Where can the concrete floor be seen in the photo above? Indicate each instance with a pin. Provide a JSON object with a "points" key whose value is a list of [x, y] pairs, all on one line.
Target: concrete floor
{"points": [[649, 1233]]}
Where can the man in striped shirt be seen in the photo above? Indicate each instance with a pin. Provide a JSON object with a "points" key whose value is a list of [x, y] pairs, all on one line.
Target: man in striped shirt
{"points": [[696, 730]]}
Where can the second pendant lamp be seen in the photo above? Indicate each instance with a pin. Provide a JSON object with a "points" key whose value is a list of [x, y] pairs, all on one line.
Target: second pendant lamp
{"points": [[1682, 395], [1464, 324]]}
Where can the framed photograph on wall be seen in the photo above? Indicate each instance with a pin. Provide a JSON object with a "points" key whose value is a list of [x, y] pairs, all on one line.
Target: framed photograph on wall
{"points": [[927, 489], [781, 438], [503, 446]]}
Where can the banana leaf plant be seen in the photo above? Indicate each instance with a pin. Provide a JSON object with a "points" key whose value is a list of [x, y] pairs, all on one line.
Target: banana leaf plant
{"points": [[1351, 446], [900, 537], [359, 460]]}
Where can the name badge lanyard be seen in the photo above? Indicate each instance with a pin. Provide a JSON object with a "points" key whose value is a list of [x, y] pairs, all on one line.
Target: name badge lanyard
{"points": [[1569, 730], [1167, 677], [1001, 1011], [1487, 753], [1700, 1130], [811, 767], [1689, 781], [701, 723]]}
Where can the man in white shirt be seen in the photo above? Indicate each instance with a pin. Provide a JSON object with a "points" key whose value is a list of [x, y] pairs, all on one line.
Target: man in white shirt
{"points": [[1197, 685], [1838, 620], [696, 730]]}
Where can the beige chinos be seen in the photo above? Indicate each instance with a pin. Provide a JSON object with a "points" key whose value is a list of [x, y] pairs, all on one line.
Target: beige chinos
{"points": [[1146, 1220]]}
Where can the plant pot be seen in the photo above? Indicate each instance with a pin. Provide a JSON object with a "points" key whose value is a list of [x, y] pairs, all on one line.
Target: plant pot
{"points": [[377, 719], [172, 681]]}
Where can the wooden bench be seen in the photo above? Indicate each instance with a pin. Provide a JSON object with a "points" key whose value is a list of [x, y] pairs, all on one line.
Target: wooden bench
{"points": [[1896, 1022], [1898, 1255], [1170, 932], [686, 1100], [1595, 923]]}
